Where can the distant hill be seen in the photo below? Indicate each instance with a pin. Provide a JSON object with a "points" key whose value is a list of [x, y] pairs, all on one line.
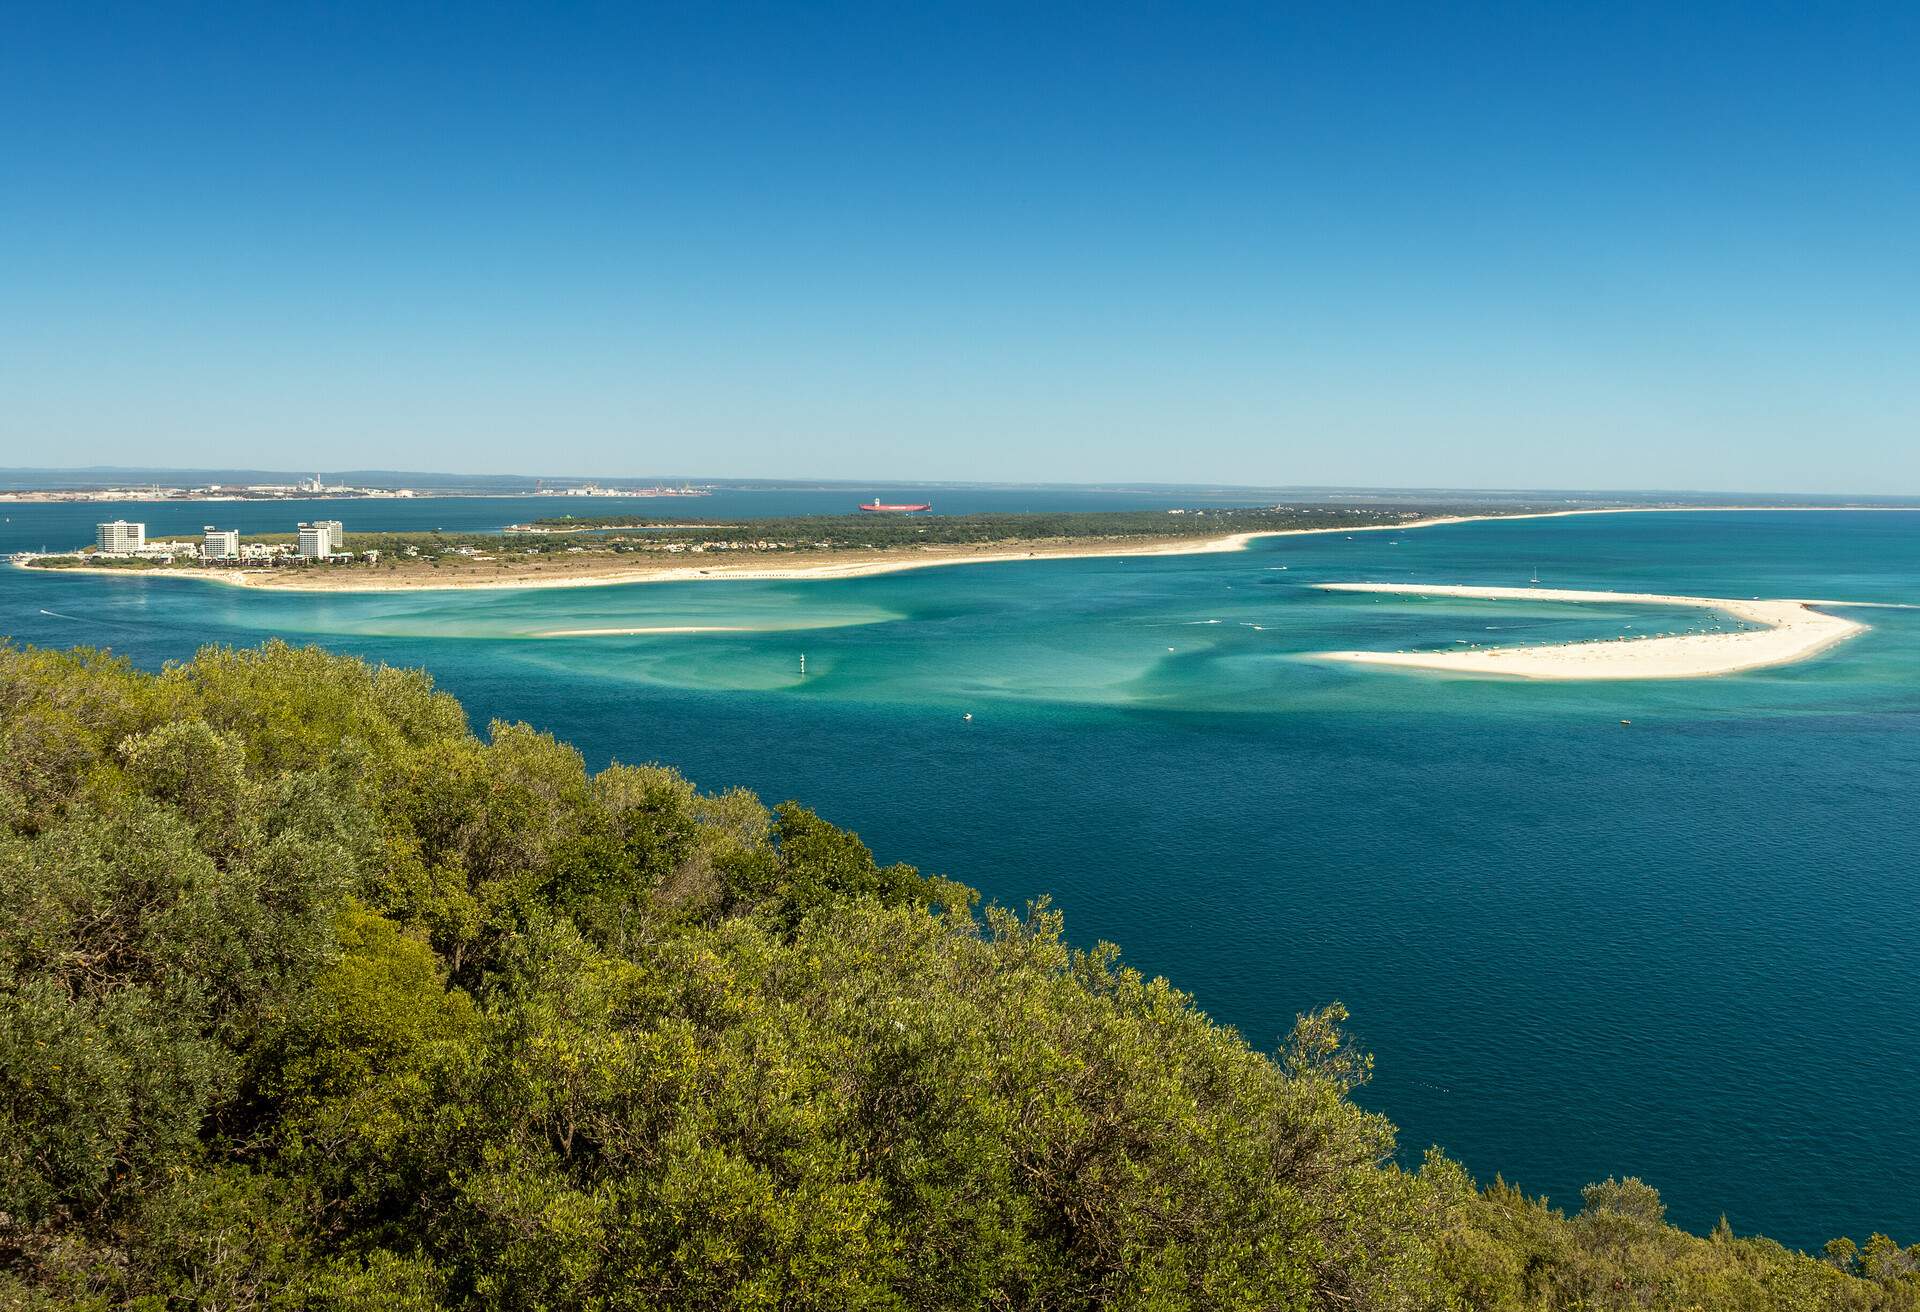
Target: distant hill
{"points": [[102, 476]]}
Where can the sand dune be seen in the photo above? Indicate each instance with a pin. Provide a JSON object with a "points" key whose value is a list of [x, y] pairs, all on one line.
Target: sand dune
{"points": [[1789, 631]]}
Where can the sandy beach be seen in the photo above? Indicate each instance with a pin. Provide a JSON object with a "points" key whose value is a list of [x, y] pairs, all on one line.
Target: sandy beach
{"points": [[1789, 631]]}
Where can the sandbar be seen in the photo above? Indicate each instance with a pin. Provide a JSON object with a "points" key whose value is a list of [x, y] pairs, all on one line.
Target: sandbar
{"points": [[1788, 631]]}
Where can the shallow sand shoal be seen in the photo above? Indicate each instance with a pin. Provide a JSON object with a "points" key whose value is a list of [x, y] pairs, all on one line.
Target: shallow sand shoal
{"points": [[1792, 631], [652, 628]]}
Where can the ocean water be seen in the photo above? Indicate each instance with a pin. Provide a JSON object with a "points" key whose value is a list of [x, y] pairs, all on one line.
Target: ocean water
{"points": [[1683, 949]]}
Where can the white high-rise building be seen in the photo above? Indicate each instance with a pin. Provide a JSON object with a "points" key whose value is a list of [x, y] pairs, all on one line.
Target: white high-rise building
{"points": [[120, 537], [316, 541], [220, 544], [336, 532]]}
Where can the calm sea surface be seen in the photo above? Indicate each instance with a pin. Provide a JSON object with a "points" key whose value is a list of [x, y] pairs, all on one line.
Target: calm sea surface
{"points": [[1686, 950]]}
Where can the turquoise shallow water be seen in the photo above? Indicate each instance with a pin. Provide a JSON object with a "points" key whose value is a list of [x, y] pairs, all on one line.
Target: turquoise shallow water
{"points": [[1684, 950]]}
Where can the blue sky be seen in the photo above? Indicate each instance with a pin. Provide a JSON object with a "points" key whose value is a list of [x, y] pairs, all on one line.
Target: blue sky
{"points": [[1579, 245]]}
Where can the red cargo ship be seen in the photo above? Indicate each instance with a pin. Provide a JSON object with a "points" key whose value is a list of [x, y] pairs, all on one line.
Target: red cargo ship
{"points": [[876, 504]]}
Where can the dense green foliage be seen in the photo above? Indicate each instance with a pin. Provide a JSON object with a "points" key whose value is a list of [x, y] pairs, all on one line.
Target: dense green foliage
{"points": [[97, 562], [311, 998], [860, 530]]}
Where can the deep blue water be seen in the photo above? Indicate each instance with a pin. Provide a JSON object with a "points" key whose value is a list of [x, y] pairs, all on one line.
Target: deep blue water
{"points": [[1684, 950]]}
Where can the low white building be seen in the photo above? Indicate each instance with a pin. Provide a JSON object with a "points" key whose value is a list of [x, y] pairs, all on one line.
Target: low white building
{"points": [[220, 543], [120, 538]]}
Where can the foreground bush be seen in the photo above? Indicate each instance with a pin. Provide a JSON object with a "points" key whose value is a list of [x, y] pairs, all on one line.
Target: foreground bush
{"points": [[311, 998]]}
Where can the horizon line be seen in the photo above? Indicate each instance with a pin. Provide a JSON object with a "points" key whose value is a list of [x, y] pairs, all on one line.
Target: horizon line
{"points": [[744, 482]]}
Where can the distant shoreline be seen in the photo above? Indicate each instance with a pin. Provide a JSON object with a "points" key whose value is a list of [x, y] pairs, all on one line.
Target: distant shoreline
{"points": [[128, 496], [819, 566]]}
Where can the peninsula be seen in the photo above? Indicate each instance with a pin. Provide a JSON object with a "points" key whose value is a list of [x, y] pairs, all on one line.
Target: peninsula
{"points": [[1779, 632], [574, 553]]}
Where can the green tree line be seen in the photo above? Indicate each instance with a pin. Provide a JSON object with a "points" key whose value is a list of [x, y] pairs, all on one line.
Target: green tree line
{"points": [[885, 530], [313, 998]]}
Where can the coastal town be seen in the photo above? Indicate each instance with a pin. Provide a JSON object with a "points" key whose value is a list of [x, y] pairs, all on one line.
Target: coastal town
{"points": [[305, 488], [316, 486], [124, 544]]}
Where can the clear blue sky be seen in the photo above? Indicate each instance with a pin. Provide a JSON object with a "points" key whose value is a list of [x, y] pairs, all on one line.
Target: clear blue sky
{"points": [[1579, 245]]}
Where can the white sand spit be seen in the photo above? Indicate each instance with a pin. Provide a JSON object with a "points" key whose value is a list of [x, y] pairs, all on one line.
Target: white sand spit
{"points": [[1790, 631]]}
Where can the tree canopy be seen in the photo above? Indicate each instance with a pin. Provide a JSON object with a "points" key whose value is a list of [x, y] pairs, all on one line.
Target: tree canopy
{"points": [[311, 997]]}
